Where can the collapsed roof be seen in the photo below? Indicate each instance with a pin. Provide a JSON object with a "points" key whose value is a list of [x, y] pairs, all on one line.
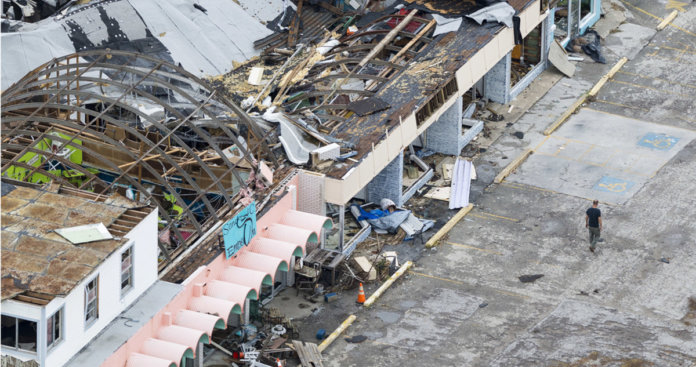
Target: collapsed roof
{"points": [[109, 121]]}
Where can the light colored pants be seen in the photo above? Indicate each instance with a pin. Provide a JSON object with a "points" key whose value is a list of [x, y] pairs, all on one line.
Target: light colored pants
{"points": [[594, 236]]}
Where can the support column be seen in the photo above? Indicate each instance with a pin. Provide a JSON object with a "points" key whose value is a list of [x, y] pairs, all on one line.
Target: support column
{"points": [[247, 312], [388, 183], [291, 272], [496, 82], [199, 355], [341, 224], [443, 136]]}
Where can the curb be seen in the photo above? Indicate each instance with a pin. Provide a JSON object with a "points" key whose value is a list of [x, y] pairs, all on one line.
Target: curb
{"points": [[583, 98], [665, 22], [448, 226], [388, 283], [348, 321], [512, 166]]}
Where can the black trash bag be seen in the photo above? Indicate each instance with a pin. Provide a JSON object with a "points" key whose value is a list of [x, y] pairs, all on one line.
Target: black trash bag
{"points": [[593, 48]]}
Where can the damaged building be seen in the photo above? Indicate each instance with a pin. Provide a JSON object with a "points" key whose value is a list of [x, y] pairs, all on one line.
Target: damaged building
{"points": [[209, 163]]}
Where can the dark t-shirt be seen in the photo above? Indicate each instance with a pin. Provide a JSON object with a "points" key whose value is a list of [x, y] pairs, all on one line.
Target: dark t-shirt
{"points": [[594, 214]]}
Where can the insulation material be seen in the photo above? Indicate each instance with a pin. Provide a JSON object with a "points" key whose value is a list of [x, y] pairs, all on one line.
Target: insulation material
{"points": [[461, 184]]}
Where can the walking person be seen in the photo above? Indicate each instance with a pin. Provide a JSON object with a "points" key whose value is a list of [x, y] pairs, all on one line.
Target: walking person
{"points": [[593, 222]]}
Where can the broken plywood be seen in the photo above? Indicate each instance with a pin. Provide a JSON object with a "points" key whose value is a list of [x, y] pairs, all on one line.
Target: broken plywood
{"points": [[559, 59]]}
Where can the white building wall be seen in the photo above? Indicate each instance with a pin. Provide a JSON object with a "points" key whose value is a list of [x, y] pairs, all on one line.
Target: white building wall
{"points": [[143, 238], [27, 312]]}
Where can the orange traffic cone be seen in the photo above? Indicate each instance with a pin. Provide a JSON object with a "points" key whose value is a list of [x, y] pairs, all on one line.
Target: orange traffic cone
{"points": [[279, 363], [361, 295]]}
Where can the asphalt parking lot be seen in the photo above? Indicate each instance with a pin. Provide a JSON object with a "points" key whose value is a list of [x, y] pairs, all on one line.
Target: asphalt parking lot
{"points": [[628, 304]]}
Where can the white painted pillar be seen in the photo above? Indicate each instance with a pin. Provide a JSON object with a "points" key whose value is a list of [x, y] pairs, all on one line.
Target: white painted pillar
{"points": [[341, 224]]}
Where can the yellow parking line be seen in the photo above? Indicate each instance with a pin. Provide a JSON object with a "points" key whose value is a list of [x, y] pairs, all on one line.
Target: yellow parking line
{"points": [[462, 283], [651, 88], [660, 79], [520, 186], [542, 143], [438, 278], [646, 110], [500, 216], [656, 17], [621, 105], [475, 248]]}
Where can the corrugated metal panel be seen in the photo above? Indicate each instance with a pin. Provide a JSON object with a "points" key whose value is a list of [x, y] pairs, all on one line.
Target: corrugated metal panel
{"points": [[461, 183]]}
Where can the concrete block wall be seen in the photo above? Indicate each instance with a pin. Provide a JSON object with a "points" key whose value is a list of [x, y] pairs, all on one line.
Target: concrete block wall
{"points": [[388, 183], [443, 136], [496, 82]]}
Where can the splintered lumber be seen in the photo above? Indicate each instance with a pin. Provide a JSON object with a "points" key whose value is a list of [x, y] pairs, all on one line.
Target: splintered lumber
{"points": [[309, 354], [378, 48], [295, 26]]}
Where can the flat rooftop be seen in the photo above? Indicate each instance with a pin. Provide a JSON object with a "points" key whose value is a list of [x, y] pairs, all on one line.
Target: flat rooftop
{"points": [[36, 260]]}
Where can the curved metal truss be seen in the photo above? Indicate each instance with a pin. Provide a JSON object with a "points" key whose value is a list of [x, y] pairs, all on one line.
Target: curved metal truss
{"points": [[109, 121]]}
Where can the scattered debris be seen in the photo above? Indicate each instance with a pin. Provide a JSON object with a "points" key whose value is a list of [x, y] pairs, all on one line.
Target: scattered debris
{"points": [[499, 12], [308, 353], [518, 134], [255, 75], [665, 260], [530, 278], [589, 43], [365, 267], [593, 49], [367, 106], [461, 184], [559, 59], [330, 297], [690, 316], [356, 339], [446, 25]]}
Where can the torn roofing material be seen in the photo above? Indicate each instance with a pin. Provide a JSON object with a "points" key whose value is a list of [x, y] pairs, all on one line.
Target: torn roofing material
{"points": [[499, 12], [205, 43], [35, 259], [85, 233]]}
